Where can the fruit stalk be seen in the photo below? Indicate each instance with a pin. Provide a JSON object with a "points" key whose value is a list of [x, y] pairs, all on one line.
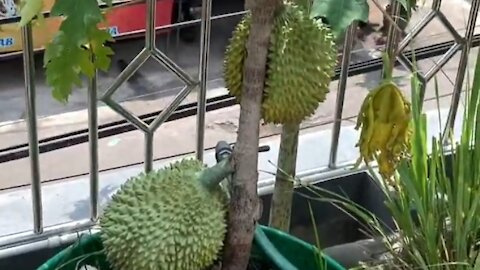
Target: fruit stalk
{"points": [[244, 200], [281, 206], [212, 176]]}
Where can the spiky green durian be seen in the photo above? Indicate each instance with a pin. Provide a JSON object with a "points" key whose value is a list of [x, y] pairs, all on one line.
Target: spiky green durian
{"points": [[301, 61], [166, 219], [235, 55]]}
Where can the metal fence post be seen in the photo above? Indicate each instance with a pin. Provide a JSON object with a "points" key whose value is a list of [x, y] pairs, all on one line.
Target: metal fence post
{"points": [[342, 87], [93, 145], [31, 114], [203, 76]]}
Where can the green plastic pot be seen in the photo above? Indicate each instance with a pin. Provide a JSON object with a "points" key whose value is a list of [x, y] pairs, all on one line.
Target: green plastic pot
{"points": [[272, 248]]}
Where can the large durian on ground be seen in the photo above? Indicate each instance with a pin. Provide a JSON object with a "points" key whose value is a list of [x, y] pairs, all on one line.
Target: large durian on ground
{"points": [[301, 61], [173, 218]]}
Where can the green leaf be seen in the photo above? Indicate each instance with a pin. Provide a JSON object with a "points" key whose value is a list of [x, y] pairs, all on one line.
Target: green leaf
{"points": [[102, 53], [30, 9], [408, 5], [78, 48], [340, 13]]}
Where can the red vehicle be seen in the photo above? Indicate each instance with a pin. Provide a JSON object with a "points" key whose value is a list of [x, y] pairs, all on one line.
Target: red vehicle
{"points": [[124, 21]]}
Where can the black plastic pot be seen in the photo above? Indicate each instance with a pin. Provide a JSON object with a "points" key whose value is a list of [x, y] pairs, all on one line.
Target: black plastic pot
{"points": [[30, 260], [341, 236], [334, 226]]}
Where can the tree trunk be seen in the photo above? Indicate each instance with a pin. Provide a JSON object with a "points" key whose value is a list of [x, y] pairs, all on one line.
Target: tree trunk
{"points": [[281, 205], [244, 200]]}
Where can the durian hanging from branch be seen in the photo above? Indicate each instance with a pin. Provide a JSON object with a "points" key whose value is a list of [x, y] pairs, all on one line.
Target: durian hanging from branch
{"points": [[301, 62], [300, 65], [173, 218]]}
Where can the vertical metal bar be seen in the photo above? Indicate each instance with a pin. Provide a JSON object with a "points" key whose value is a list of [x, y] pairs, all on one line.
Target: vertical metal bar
{"points": [[436, 5], [462, 66], [203, 76], [30, 99], [93, 145], [342, 86], [178, 29], [391, 45], [150, 22], [148, 151]]}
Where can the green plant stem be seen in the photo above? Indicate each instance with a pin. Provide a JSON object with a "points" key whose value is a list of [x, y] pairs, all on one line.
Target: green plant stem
{"points": [[281, 208], [211, 177]]}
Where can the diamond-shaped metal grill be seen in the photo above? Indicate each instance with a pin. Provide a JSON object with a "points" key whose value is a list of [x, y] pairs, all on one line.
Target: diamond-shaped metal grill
{"points": [[461, 43], [151, 51]]}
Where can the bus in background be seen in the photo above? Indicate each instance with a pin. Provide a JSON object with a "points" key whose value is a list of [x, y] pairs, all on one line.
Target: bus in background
{"points": [[123, 21]]}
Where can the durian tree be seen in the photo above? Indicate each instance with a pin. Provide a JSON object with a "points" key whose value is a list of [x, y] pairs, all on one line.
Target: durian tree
{"points": [[251, 69], [299, 82]]}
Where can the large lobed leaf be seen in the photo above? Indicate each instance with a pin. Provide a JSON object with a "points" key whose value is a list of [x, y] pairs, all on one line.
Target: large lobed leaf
{"points": [[79, 45], [340, 13]]}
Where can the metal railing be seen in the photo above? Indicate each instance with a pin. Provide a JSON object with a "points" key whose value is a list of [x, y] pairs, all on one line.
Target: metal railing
{"points": [[42, 236]]}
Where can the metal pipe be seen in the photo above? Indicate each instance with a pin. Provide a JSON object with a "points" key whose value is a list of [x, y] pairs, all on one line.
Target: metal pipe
{"points": [[150, 33], [450, 27], [131, 68], [148, 151], [203, 76], [462, 66], [173, 67], [439, 65], [167, 112], [51, 238], [416, 30], [342, 87], [93, 145], [24, 238], [31, 113], [133, 119], [177, 33], [436, 5], [392, 32], [406, 63], [126, 73]]}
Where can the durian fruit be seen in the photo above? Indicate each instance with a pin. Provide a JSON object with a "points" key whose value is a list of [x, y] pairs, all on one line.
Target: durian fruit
{"points": [[235, 55], [384, 119], [173, 218], [301, 61]]}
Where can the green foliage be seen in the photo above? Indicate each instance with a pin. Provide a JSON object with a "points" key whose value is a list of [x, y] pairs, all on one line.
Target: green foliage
{"points": [[340, 13], [79, 45], [29, 10], [408, 5], [435, 203], [442, 190]]}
